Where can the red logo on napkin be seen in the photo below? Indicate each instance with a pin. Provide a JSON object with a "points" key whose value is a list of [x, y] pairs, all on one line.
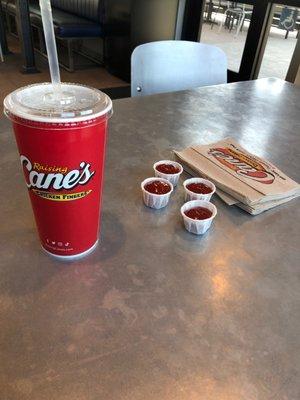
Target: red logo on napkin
{"points": [[242, 164]]}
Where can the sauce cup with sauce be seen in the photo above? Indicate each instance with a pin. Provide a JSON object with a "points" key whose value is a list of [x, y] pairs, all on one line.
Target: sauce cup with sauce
{"points": [[198, 189], [170, 170], [198, 216], [156, 192]]}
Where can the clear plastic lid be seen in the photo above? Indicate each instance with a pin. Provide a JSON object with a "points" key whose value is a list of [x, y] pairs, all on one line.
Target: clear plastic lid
{"points": [[74, 103]]}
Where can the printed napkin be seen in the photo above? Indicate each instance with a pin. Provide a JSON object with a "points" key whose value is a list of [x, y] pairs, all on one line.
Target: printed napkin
{"points": [[242, 178]]}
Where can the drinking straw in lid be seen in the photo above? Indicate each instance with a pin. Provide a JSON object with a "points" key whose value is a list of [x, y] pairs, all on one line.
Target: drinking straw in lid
{"points": [[47, 20]]}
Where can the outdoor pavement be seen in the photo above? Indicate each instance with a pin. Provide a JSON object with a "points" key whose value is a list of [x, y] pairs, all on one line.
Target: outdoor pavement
{"points": [[278, 53]]}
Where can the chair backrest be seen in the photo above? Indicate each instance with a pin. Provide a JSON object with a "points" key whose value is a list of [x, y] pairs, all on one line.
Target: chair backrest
{"points": [[171, 65], [89, 9]]}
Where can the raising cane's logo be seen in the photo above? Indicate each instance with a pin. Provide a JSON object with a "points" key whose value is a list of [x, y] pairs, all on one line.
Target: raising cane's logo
{"points": [[242, 164], [49, 182]]}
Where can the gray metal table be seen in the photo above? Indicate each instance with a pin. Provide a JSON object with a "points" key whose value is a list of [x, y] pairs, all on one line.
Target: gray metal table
{"points": [[155, 312]]}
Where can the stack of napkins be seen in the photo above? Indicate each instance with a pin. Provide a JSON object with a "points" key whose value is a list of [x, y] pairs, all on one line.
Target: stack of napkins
{"points": [[241, 178]]}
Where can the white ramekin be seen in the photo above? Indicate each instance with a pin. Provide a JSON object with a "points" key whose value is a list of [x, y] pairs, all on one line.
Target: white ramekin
{"points": [[198, 227], [156, 200], [189, 195], [173, 178]]}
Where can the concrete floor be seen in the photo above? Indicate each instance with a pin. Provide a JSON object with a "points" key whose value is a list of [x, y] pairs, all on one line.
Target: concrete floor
{"points": [[278, 53], [11, 78]]}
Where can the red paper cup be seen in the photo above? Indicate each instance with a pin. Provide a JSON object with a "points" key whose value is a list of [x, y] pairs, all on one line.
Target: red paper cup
{"points": [[62, 153]]}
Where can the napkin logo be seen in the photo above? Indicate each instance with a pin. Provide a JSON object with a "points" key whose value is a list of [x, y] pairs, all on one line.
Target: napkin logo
{"points": [[242, 164], [41, 179]]}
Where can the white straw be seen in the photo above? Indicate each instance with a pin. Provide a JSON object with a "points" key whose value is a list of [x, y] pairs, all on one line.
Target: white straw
{"points": [[47, 19]]}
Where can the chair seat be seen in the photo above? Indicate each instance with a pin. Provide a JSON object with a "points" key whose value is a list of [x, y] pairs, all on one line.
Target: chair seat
{"points": [[9, 6], [66, 24], [236, 10]]}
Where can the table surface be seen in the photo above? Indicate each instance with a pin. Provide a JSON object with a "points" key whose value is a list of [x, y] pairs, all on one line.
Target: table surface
{"points": [[155, 312]]}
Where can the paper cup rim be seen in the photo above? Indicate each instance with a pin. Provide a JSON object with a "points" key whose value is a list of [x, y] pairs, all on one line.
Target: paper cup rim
{"points": [[156, 178], [11, 108], [168, 162], [203, 180], [200, 203]]}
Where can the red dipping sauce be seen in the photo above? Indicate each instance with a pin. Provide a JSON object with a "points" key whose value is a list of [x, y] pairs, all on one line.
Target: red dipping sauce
{"points": [[198, 213], [157, 187], [199, 188], [167, 169]]}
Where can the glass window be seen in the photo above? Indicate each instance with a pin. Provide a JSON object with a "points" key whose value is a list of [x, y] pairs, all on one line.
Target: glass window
{"points": [[226, 25], [281, 43]]}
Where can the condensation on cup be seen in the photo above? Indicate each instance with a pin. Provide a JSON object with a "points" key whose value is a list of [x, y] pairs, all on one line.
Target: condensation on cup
{"points": [[62, 152]]}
